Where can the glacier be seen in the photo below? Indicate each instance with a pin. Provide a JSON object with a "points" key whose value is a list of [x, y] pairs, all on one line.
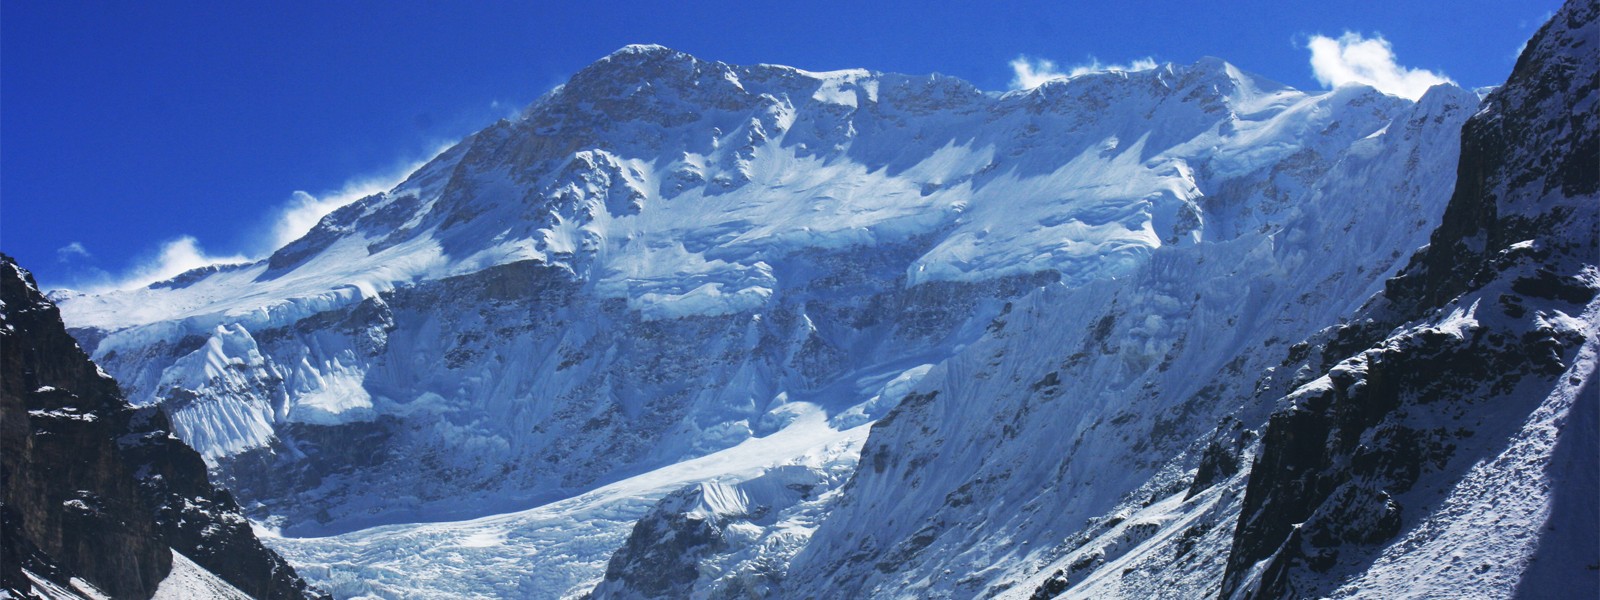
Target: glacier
{"points": [[1066, 315]]}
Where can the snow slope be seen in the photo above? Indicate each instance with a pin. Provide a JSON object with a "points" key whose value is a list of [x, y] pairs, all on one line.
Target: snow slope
{"points": [[1093, 402], [186, 581], [189, 580]]}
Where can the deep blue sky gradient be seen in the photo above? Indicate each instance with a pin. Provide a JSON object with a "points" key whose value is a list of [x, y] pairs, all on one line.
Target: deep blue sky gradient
{"points": [[125, 125]]}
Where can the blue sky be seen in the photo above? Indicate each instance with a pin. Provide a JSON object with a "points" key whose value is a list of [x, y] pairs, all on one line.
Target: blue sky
{"points": [[136, 137]]}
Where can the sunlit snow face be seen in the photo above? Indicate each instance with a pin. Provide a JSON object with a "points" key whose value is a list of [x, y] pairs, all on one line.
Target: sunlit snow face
{"points": [[581, 293]]}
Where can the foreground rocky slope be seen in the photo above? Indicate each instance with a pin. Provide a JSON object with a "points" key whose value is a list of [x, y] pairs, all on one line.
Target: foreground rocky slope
{"points": [[98, 496], [1456, 448]]}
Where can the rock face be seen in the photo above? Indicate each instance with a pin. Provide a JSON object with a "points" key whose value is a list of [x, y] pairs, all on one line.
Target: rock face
{"points": [[719, 540], [1484, 356], [97, 490]]}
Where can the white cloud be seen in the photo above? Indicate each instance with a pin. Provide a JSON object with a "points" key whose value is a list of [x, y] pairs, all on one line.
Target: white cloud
{"points": [[72, 252], [1029, 72], [1353, 58]]}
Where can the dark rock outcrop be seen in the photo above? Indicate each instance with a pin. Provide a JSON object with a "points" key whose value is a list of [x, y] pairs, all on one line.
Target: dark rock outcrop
{"points": [[661, 558], [1463, 345], [96, 489], [697, 543]]}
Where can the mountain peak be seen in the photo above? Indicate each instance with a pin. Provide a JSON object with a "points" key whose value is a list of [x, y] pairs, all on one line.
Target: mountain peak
{"points": [[644, 50], [1211, 63], [633, 55], [630, 65]]}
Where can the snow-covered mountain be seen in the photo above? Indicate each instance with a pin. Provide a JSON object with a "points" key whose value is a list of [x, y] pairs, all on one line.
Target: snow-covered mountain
{"points": [[1072, 317], [665, 253], [1440, 441]]}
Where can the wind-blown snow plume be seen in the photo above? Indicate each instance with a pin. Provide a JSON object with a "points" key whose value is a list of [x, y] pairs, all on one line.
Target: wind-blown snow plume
{"points": [[1029, 72], [303, 209], [297, 216], [1353, 58], [176, 256]]}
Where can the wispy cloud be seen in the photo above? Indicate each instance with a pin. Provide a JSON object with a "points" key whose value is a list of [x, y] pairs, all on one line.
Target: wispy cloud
{"points": [[72, 252], [1029, 72], [1516, 54], [1530, 24], [1354, 58], [509, 111], [1537, 23], [79, 266]]}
